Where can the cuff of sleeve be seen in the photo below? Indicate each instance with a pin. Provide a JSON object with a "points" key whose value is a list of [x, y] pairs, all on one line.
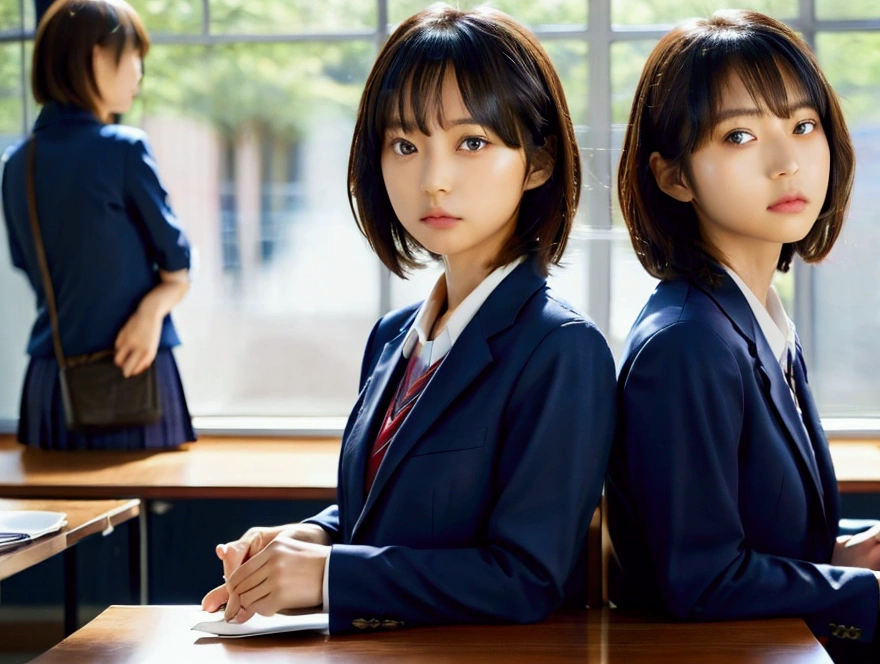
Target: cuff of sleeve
{"points": [[326, 607]]}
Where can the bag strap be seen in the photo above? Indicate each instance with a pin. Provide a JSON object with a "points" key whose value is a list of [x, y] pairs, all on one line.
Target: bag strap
{"points": [[31, 185]]}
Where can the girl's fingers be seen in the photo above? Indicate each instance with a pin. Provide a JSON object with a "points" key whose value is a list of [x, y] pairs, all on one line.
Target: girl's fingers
{"points": [[251, 581], [215, 599], [260, 593], [233, 604]]}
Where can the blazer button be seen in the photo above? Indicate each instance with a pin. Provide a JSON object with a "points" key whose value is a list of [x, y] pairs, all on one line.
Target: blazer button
{"points": [[853, 633], [392, 624], [363, 623]]}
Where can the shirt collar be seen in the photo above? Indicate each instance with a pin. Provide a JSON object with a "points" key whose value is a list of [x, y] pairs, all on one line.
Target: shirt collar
{"points": [[775, 325], [460, 318]]}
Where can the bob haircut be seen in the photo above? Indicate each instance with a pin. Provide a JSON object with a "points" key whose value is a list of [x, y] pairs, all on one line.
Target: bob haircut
{"points": [[508, 84], [674, 112], [62, 68]]}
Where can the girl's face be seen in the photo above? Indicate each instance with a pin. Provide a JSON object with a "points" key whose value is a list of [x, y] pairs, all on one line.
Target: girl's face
{"points": [[117, 83], [457, 190], [760, 180]]}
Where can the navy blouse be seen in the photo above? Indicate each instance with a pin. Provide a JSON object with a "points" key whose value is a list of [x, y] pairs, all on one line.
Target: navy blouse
{"points": [[106, 223]]}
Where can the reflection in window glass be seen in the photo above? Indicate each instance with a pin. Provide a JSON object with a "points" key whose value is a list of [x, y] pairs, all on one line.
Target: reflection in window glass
{"points": [[170, 16], [254, 153], [290, 16], [851, 9], [847, 302], [647, 12], [546, 12]]}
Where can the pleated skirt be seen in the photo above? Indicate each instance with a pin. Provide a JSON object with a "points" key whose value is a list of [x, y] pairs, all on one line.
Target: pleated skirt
{"points": [[42, 424]]}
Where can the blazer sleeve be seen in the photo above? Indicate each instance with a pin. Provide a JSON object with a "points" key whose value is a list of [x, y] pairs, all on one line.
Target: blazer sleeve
{"points": [[148, 199], [15, 251], [682, 410], [557, 435]]}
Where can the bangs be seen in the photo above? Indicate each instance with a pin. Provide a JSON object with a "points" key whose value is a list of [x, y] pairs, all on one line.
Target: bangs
{"points": [[763, 65], [125, 29], [410, 94]]}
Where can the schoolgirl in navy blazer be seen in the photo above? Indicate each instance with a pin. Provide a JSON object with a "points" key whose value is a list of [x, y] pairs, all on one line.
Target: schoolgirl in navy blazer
{"points": [[722, 500], [479, 510]]}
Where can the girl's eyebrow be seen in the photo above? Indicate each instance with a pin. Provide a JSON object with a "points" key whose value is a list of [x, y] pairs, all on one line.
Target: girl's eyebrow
{"points": [[409, 127], [754, 111]]}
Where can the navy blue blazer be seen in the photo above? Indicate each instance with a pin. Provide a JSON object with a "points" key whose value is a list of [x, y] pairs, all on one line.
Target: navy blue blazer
{"points": [[480, 510], [722, 501], [106, 225]]}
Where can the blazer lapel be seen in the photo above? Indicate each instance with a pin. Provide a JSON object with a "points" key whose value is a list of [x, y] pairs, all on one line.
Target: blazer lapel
{"points": [[735, 306], [820, 443], [359, 442], [466, 360]]}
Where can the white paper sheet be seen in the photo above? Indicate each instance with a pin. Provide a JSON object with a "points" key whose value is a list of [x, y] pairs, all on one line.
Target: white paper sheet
{"points": [[29, 523], [212, 624]]}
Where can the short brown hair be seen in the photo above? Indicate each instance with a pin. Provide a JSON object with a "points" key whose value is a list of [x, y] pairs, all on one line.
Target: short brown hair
{"points": [[675, 110], [62, 68], [508, 84]]}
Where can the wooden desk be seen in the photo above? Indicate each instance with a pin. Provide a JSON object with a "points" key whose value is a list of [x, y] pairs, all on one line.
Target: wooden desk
{"points": [[84, 518], [260, 468], [857, 465], [235, 468], [128, 634]]}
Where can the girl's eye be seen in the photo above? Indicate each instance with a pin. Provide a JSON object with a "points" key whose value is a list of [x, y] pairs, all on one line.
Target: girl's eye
{"points": [[805, 127], [739, 137], [474, 143], [402, 147]]}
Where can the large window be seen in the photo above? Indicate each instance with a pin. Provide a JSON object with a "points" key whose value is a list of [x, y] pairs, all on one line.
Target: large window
{"points": [[250, 104]]}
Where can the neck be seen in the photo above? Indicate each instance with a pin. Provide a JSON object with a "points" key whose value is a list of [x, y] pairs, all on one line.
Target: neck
{"points": [[462, 277], [757, 273]]}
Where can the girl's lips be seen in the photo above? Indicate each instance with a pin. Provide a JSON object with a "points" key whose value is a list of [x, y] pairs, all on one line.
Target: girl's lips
{"points": [[789, 205], [440, 221]]}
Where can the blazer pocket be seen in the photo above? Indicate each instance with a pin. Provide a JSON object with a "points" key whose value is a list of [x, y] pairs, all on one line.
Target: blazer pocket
{"points": [[450, 442]]}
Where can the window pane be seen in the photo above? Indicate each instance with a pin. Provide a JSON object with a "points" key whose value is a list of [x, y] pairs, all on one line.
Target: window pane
{"points": [[630, 288], [10, 16], [546, 12], [627, 60], [16, 301], [174, 16], [570, 60], [290, 16], [11, 92], [253, 140], [647, 12], [847, 306], [851, 9]]}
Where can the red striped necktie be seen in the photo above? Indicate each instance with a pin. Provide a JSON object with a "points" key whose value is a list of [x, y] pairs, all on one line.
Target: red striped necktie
{"points": [[410, 388]]}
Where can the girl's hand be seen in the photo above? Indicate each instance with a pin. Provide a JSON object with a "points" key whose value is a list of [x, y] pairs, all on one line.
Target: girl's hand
{"points": [[137, 342], [286, 574], [862, 550], [235, 554]]}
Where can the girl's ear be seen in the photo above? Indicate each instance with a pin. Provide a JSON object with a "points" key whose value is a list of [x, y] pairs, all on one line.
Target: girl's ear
{"points": [[542, 164], [670, 178]]}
